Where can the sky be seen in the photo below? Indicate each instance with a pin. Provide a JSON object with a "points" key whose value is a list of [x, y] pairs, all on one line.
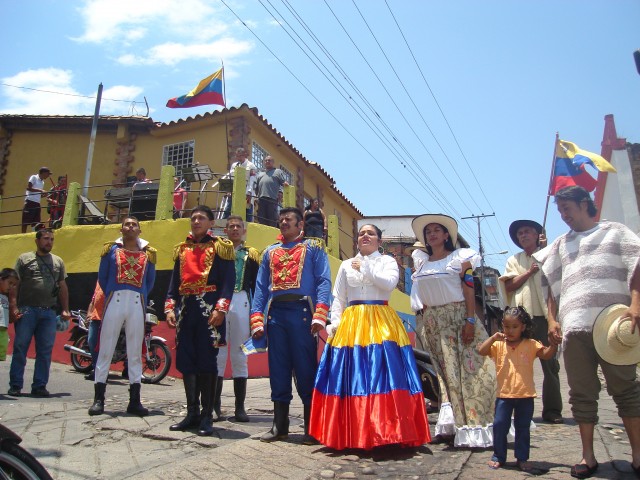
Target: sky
{"points": [[412, 106]]}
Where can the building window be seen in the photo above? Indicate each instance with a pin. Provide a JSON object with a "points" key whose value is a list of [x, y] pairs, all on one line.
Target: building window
{"points": [[257, 155], [180, 155], [287, 175]]}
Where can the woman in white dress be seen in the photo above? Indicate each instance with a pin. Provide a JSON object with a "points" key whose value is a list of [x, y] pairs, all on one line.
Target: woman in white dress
{"points": [[442, 295]]}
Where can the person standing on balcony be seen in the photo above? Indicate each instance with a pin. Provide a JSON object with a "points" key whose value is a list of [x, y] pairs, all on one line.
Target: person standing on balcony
{"points": [[315, 221], [521, 281], [242, 161], [57, 200], [237, 319], [31, 214], [268, 184]]}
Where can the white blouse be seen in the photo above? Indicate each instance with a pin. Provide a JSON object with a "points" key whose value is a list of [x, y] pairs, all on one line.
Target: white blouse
{"points": [[377, 278], [438, 282]]}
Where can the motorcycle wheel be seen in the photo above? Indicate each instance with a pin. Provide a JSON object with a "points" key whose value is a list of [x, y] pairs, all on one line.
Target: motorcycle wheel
{"points": [[17, 463], [157, 366], [80, 363]]}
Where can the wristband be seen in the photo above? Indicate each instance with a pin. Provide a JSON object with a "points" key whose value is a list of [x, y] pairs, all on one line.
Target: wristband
{"points": [[471, 320]]}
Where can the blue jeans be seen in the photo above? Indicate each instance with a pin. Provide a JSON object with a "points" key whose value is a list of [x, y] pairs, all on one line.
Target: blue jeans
{"points": [[505, 407], [40, 323], [92, 340]]}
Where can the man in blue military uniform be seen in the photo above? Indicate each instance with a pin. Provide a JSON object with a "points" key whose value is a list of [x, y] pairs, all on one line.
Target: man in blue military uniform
{"points": [[293, 289]]}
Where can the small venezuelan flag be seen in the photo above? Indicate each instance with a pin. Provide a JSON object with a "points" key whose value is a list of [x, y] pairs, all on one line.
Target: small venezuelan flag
{"points": [[569, 167], [208, 92]]}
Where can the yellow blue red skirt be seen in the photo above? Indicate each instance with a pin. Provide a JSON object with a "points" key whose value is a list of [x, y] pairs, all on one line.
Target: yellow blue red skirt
{"points": [[367, 391]]}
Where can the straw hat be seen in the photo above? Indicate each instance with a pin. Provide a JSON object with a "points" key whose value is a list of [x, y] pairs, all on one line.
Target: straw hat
{"points": [[613, 339], [416, 246], [446, 221]]}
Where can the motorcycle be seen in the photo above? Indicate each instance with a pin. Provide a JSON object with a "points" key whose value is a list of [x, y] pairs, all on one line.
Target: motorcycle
{"points": [[156, 356], [15, 461]]}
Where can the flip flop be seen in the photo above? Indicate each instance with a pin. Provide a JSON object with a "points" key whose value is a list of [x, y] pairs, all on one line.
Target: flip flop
{"points": [[582, 470], [495, 464]]}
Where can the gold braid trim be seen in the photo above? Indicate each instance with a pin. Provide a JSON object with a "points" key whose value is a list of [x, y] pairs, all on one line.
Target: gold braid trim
{"points": [[106, 247], [152, 254], [224, 249], [254, 254], [315, 243], [176, 251]]}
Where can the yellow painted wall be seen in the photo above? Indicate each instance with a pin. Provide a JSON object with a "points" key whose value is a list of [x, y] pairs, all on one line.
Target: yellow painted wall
{"points": [[80, 247]]}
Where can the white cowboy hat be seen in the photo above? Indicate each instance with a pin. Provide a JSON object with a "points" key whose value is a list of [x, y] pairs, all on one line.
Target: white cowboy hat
{"points": [[613, 339], [446, 221]]}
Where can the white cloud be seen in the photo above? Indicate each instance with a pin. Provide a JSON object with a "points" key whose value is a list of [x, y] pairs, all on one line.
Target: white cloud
{"points": [[50, 91], [171, 53], [165, 31]]}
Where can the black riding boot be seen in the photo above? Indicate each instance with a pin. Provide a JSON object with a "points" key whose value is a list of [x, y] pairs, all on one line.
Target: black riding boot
{"points": [[217, 401], [192, 419], [98, 399], [280, 428], [306, 438], [208, 387], [135, 407], [240, 392]]}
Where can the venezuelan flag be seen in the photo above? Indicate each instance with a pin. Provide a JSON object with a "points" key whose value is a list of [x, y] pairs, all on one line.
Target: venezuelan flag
{"points": [[569, 167], [368, 391], [207, 92]]}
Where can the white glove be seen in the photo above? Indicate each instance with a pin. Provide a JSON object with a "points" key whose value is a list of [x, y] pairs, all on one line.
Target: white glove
{"points": [[331, 328]]}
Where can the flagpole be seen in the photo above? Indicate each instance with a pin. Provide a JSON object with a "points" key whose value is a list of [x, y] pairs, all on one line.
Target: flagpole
{"points": [[226, 123], [553, 168]]}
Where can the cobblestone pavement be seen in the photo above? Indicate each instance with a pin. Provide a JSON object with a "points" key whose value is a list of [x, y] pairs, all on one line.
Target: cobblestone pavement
{"points": [[73, 445]]}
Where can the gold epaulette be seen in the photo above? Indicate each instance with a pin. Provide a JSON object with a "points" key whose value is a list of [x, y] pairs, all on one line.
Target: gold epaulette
{"points": [[152, 254], [106, 247], [176, 251], [254, 254], [224, 249], [315, 243]]}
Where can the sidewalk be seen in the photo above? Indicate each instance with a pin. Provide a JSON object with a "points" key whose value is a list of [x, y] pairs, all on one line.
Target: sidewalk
{"points": [[73, 445]]}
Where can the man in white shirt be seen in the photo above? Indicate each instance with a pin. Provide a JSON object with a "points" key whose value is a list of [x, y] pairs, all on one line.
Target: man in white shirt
{"points": [[35, 189], [242, 161]]}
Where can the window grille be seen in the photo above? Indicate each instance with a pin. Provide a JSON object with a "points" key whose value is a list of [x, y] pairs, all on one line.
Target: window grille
{"points": [[180, 155], [257, 155]]}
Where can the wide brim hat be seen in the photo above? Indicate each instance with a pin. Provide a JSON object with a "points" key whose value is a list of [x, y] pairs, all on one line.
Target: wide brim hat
{"points": [[515, 226], [418, 245], [613, 339], [446, 221]]}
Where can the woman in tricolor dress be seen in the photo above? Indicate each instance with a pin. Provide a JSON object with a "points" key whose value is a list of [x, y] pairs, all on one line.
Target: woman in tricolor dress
{"points": [[442, 295], [367, 391]]}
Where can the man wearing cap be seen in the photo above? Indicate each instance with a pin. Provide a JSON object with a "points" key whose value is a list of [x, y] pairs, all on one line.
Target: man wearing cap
{"points": [[35, 189], [584, 271], [522, 283]]}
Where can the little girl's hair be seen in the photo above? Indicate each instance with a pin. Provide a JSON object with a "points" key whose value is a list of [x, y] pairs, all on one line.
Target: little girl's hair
{"points": [[8, 273], [521, 314]]}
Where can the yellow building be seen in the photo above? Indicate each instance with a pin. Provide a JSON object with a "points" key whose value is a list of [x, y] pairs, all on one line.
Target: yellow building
{"points": [[124, 144]]}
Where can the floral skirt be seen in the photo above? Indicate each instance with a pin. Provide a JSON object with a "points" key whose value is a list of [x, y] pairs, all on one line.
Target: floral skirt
{"points": [[467, 379], [367, 391]]}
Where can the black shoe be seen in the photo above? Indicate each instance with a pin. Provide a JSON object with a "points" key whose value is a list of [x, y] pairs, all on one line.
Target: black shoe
{"points": [[98, 399], [280, 428], [90, 376], [554, 418], [14, 392], [192, 418], [240, 391], [135, 407], [41, 392]]}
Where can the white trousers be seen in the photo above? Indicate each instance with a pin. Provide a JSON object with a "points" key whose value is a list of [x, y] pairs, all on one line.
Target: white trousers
{"points": [[238, 331], [125, 306]]}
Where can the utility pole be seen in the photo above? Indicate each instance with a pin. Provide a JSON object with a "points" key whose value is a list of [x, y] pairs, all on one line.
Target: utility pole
{"points": [[92, 143], [478, 219]]}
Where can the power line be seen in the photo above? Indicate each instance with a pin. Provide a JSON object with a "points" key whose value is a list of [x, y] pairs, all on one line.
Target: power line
{"points": [[455, 138], [320, 103], [68, 94]]}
